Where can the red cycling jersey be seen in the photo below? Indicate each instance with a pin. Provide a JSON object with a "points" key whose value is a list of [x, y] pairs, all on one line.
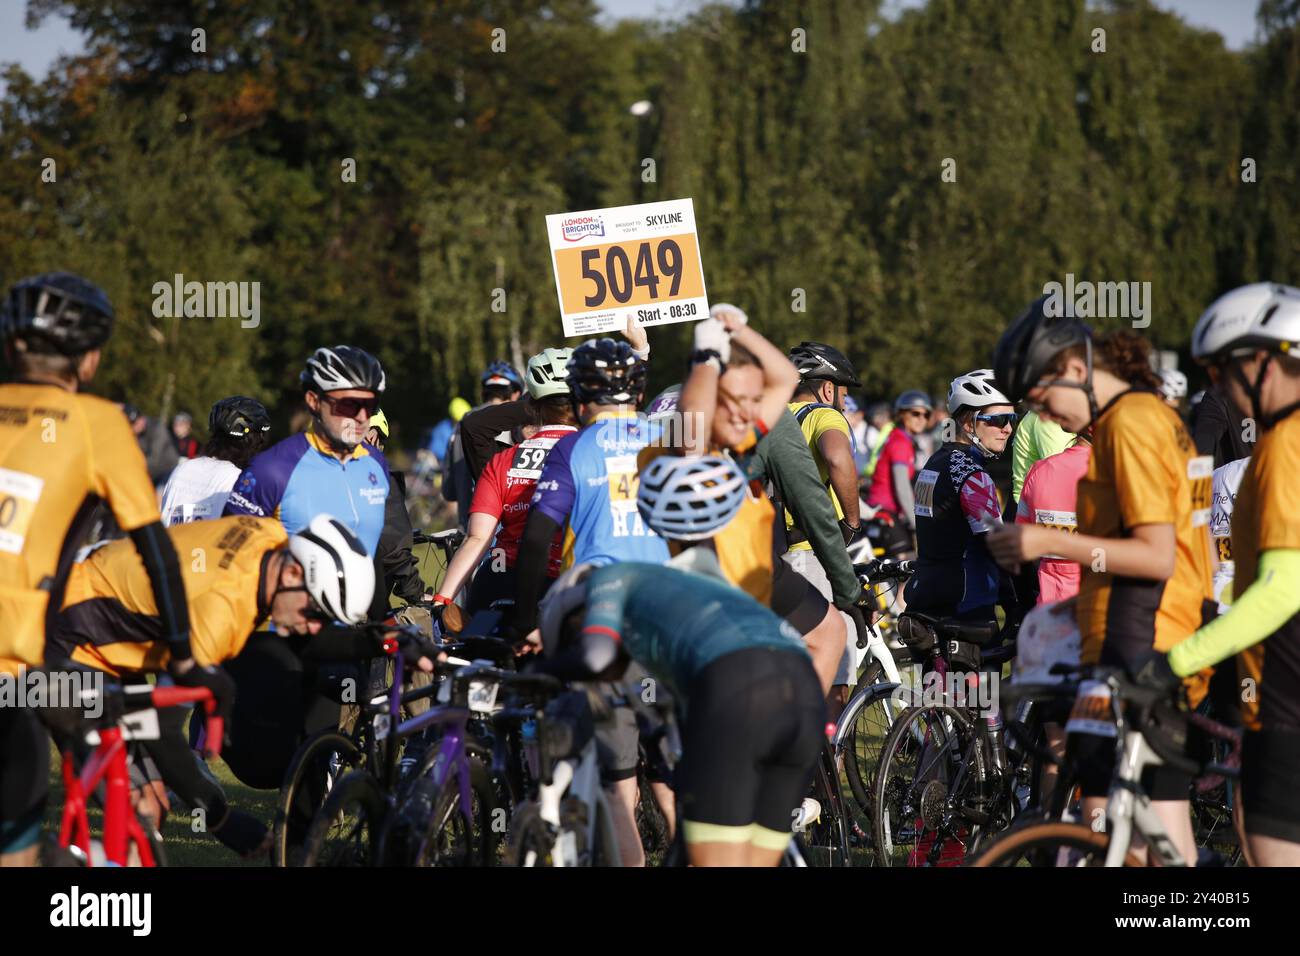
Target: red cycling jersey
{"points": [[505, 490], [899, 449]]}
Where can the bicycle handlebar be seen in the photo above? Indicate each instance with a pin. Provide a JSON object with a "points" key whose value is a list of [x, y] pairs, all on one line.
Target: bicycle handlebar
{"points": [[160, 698]]}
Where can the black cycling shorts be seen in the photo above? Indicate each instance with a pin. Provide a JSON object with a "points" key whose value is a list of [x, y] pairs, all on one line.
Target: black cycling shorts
{"points": [[1095, 756], [1270, 783], [796, 599], [755, 722], [24, 777]]}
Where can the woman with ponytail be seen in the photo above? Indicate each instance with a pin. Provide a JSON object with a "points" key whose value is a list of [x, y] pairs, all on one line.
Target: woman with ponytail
{"points": [[1143, 519]]}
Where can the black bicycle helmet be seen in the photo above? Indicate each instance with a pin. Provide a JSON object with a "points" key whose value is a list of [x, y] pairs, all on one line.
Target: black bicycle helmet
{"points": [[340, 367], [816, 361], [1027, 348], [239, 417], [57, 311], [606, 372]]}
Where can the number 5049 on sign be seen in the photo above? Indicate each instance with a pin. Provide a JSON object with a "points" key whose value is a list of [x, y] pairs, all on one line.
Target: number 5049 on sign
{"points": [[641, 261]]}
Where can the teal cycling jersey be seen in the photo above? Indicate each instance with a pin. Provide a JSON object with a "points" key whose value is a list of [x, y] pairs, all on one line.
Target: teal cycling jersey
{"points": [[675, 623]]}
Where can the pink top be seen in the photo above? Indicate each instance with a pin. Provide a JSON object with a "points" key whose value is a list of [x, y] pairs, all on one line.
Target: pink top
{"points": [[1048, 497], [898, 449]]}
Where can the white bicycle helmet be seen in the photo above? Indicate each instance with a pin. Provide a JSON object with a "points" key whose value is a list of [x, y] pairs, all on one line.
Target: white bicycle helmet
{"points": [[692, 498], [1262, 316], [337, 571], [975, 390], [548, 373], [1173, 384]]}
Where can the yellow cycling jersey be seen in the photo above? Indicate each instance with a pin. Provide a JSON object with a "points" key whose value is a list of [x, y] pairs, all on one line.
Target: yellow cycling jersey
{"points": [[110, 621], [744, 545], [816, 423], [61, 453]]}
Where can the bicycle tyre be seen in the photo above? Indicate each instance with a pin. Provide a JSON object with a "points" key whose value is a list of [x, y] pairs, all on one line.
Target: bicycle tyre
{"points": [[307, 759], [860, 764], [1038, 843], [893, 800], [355, 792], [446, 843], [826, 840]]}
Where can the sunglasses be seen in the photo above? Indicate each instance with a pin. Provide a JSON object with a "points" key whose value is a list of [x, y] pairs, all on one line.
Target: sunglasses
{"points": [[313, 611], [1004, 420], [916, 413], [351, 407]]}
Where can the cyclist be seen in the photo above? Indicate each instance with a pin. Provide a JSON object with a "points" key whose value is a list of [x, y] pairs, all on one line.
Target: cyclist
{"points": [[250, 572], [857, 432], [504, 492], [491, 427], [238, 428], [890, 492], [1226, 484], [1036, 438], [753, 710], [187, 446], [60, 453], [587, 488], [740, 381], [440, 435], [1173, 388], [500, 387], [957, 505], [1249, 338], [327, 469], [1143, 508], [1049, 497], [397, 567], [825, 376]]}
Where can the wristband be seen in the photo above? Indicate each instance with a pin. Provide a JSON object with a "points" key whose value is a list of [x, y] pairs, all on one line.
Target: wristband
{"points": [[708, 357], [642, 354], [441, 599]]}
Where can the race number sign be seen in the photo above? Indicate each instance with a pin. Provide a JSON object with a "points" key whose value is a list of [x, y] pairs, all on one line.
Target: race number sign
{"points": [[641, 261]]}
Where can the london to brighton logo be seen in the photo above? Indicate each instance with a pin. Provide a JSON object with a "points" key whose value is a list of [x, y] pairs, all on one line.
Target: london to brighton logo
{"points": [[580, 227]]}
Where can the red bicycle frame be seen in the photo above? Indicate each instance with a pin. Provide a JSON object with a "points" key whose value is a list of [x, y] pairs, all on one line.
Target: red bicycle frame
{"points": [[108, 763]]}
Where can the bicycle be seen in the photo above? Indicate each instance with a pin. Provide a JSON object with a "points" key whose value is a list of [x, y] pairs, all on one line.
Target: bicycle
{"points": [[569, 822], [129, 713], [1148, 733], [945, 780], [440, 815]]}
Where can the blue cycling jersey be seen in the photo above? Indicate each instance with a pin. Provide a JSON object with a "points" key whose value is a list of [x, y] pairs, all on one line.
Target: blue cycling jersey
{"points": [[588, 487], [296, 479]]}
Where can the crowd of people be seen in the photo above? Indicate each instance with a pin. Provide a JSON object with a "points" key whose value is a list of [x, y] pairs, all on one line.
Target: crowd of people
{"points": [[701, 539]]}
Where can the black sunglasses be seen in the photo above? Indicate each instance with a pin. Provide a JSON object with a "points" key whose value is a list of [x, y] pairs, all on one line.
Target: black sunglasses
{"points": [[350, 407], [1003, 420]]}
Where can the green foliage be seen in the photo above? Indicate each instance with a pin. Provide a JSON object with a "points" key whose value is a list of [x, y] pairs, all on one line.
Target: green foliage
{"points": [[817, 175]]}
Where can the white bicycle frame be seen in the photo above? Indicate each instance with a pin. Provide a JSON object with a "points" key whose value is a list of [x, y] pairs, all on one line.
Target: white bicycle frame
{"points": [[580, 778], [1128, 807]]}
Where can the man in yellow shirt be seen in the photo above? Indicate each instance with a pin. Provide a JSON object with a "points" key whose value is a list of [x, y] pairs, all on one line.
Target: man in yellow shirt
{"points": [[61, 454]]}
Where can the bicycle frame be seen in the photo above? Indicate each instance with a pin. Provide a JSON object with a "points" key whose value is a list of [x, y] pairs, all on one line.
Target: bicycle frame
{"points": [[578, 777], [121, 828]]}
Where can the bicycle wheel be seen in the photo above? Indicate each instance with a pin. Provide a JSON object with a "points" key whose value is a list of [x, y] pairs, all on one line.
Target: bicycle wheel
{"points": [[826, 837], [450, 839], [534, 842], [868, 722], [1050, 845], [921, 786], [650, 822], [347, 830], [318, 762]]}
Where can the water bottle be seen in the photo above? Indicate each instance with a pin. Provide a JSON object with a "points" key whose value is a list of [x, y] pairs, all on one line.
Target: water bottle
{"points": [[997, 743]]}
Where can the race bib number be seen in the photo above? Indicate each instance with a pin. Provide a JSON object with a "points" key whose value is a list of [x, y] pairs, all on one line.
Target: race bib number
{"points": [[1092, 713], [1200, 472], [622, 262], [1223, 546], [924, 493], [530, 457], [19, 495], [621, 470]]}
